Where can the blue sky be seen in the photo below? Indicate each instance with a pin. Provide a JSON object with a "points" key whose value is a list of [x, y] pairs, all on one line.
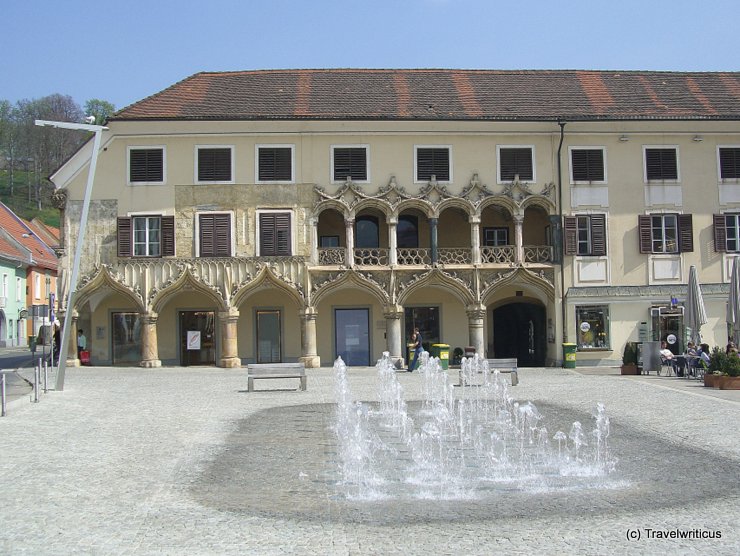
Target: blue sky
{"points": [[125, 50]]}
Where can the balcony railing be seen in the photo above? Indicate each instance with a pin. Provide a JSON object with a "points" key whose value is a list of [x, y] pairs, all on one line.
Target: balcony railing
{"points": [[505, 254], [332, 255], [375, 256], [537, 254], [455, 255], [414, 256]]}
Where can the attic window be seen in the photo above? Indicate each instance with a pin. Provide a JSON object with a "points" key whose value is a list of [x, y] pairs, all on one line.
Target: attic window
{"points": [[146, 165]]}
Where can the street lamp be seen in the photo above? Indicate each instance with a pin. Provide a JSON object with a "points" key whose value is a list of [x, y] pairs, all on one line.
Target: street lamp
{"points": [[98, 131]]}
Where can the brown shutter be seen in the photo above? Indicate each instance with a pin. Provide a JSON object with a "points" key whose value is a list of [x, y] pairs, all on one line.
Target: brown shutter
{"points": [[123, 234], [168, 236], [275, 234], [598, 234], [282, 233], [206, 235], [685, 233], [222, 235], [646, 235], [720, 233], [571, 235]]}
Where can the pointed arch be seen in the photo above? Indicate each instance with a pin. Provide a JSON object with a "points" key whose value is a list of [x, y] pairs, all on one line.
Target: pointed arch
{"points": [[499, 201], [103, 280], [372, 204], [329, 204], [522, 278], [419, 204], [455, 202], [186, 281], [267, 278], [349, 279], [437, 278], [539, 201]]}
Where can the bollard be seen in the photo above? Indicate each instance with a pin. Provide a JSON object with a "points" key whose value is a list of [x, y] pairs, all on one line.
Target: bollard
{"points": [[36, 378], [4, 411], [46, 377]]}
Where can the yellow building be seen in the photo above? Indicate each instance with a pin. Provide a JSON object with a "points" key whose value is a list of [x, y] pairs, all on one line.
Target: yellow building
{"points": [[304, 214]]}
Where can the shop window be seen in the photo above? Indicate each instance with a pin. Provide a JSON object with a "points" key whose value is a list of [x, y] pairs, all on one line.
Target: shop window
{"points": [[592, 324]]}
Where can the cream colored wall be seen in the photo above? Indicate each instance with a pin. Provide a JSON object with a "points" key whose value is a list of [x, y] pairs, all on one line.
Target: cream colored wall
{"points": [[290, 323]]}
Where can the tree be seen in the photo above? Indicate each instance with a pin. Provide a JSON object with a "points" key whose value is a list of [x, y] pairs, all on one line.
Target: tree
{"points": [[99, 109]]}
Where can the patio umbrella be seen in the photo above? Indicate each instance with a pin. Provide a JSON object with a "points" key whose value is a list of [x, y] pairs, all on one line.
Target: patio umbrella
{"points": [[733, 302], [694, 313]]}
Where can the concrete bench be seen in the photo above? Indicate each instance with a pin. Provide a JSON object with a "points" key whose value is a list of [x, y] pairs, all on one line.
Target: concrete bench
{"points": [[275, 370], [503, 366]]}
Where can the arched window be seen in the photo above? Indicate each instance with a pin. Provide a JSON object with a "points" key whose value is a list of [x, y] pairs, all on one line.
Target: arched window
{"points": [[366, 232], [407, 231]]}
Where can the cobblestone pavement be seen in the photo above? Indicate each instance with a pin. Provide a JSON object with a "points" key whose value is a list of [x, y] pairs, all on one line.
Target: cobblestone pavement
{"points": [[134, 461]]}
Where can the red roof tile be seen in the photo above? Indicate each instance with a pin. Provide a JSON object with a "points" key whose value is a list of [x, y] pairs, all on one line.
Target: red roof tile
{"points": [[437, 94], [43, 255]]}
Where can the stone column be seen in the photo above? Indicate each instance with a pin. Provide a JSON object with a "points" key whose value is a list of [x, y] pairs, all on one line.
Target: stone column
{"points": [[229, 346], [518, 239], [476, 315], [314, 222], [149, 348], [393, 335], [433, 240], [392, 242], [475, 239], [72, 360], [349, 226], [309, 353]]}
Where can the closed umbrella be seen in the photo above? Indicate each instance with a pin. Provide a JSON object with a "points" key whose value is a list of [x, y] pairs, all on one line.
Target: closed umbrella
{"points": [[733, 302], [694, 313]]}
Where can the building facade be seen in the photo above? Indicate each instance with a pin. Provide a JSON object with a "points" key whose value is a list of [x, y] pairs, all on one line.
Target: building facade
{"points": [[303, 215]]}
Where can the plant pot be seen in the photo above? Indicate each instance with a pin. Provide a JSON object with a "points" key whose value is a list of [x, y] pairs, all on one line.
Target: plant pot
{"points": [[730, 383], [630, 370], [711, 380]]}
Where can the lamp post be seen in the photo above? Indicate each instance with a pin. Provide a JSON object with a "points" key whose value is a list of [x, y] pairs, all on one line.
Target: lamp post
{"points": [[98, 131]]}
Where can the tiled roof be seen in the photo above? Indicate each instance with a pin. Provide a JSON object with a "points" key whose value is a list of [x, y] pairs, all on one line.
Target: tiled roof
{"points": [[10, 251], [440, 94], [43, 255]]}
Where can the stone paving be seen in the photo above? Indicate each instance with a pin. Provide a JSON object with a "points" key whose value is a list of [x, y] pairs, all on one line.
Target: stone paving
{"points": [[141, 461]]}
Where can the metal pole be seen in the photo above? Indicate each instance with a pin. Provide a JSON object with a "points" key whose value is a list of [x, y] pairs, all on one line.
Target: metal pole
{"points": [[46, 377], [78, 256], [36, 379], [2, 395]]}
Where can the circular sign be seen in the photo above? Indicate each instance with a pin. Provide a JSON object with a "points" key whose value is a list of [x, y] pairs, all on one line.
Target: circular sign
{"points": [[23, 314], [671, 339], [585, 327]]}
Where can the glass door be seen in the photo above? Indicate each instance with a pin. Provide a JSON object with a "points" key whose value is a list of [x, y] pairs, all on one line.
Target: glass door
{"points": [[268, 337], [197, 338], [352, 334], [126, 338]]}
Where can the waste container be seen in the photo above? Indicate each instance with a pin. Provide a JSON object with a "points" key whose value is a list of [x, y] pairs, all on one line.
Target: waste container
{"points": [[410, 356], [569, 356], [443, 352]]}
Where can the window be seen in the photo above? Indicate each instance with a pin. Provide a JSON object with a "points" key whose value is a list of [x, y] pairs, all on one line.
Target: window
{"points": [[18, 289], [214, 164], [214, 235], [515, 161], [407, 231], [433, 161], [275, 163], [349, 162], [146, 165], [329, 241], [37, 286], [727, 232], [427, 320], [585, 235], [367, 232], [275, 234], [587, 165], [4, 292], [729, 163], [661, 163], [495, 237], [666, 233], [146, 236], [592, 327]]}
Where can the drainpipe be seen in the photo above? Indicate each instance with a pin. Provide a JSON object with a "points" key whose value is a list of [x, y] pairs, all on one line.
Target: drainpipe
{"points": [[563, 310]]}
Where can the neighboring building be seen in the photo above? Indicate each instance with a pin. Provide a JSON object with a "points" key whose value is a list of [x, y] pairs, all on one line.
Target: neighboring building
{"points": [[305, 214], [31, 266]]}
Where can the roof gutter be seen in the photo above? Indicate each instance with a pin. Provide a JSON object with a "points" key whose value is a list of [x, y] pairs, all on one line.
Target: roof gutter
{"points": [[561, 244]]}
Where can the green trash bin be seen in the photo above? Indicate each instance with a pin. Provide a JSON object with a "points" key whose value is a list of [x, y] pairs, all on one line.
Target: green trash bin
{"points": [[443, 352], [569, 356], [410, 356]]}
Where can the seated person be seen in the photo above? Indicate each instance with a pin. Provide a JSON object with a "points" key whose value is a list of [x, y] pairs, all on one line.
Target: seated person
{"points": [[691, 349], [704, 354], [666, 356]]}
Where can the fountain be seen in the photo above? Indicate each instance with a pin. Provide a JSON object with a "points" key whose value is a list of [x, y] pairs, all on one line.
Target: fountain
{"points": [[448, 447]]}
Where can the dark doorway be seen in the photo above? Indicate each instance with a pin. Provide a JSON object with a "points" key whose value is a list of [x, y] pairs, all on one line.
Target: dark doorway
{"points": [[519, 331], [197, 338], [352, 329]]}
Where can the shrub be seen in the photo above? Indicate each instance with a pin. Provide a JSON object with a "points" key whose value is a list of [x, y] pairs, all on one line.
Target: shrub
{"points": [[732, 365], [717, 360], [629, 356]]}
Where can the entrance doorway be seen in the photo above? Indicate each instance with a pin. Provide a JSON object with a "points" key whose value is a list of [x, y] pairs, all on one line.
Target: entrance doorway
{"points": [[667, 326], [519, 331], [197, 338], [268, 337], [126, 338], [352, 336]]}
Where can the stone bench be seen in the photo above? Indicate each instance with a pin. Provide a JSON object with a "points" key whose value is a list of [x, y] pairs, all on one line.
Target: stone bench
{"points": [[504, 366], [275, 370]]}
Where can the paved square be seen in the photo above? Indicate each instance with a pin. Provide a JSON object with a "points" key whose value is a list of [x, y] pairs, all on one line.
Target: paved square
{"points": [[137, 461]]}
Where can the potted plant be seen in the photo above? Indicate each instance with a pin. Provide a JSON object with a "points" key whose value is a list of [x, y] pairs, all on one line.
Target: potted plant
{"points": [[716, 364], [629, 359], [731, 378]]}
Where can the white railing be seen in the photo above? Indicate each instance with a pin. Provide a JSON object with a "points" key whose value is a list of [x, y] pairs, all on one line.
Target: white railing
{"points": [[455, 255], [332, 255], [537, 254], [414, 256], [498, 255], [371, 256]]}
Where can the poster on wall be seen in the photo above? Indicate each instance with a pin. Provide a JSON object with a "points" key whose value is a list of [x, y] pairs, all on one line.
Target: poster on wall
{"points": [[193, 340]]}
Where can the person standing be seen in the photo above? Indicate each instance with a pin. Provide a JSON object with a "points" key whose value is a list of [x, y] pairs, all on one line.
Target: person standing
{"points": [[81, 342], [416, 341]]}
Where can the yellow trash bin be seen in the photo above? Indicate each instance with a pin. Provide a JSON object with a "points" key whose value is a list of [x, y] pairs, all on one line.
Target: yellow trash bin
{"points": [[569, 356]]}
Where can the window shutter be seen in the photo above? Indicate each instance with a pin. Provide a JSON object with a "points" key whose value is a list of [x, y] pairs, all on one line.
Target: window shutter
{"points": [[598, 234], [214, 164], [729, 163], [587, 164], [275, 164], [267, 235], [685, 233], [282, 233], [222, 233], [350, 161], [168, 236], [571, 235], [275, 234], [720, 233], [206, 225], [646, 234], [660, 164], [433, 162], [146, 165], [123, 234], [516, 161]]}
